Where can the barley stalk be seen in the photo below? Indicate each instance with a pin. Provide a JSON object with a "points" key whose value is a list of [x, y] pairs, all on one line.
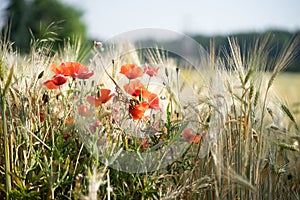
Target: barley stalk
{"points": [[6, 145]]}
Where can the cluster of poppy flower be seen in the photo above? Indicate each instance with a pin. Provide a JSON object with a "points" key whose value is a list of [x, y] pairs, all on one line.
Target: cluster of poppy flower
{"points": [[142, 99], [147, 99], [65, 69], [134, 87], [78, 71]]}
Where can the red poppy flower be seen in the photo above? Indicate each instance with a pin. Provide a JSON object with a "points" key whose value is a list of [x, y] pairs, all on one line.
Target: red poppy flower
{"points": [[69, 120], [134, 87], [56, 81], [74, 69], [151, 71], [83, 110], [93, 127], [144, 145], [97, 101], [67, 136], [131, 71], [153, 100], [83, 75], [137, 111], [191, 137]]}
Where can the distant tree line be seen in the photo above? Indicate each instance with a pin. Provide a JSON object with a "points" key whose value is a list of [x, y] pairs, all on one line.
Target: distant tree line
{"points": [[46, 20], [277, 40]]}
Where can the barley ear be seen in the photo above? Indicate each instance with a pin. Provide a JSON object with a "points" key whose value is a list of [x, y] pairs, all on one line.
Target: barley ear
{"points": [[8, 81], [257, 94], [248, 75], [1, 70], [288, 146], [290, 115]]}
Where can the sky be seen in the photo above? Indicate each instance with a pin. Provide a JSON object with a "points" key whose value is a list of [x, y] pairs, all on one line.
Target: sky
{"points": [[105, 19]]}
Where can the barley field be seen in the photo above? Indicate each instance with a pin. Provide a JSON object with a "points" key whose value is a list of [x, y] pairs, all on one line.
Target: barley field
{"points": [[139, 126], [287, 86]]}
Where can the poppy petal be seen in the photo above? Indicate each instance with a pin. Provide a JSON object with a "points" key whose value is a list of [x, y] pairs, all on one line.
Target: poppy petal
{"points": [[83, 75], [94, 101], [55, 82], [134, 87], [191, 137], [152, 99], [83, 110], [105, 96], [74, 69], [59, 79], [151, 71], [131, 71], [137, 112], [50, 85]]}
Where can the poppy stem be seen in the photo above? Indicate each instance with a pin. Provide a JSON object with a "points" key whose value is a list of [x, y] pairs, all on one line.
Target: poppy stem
{"points": [[148, 82]]}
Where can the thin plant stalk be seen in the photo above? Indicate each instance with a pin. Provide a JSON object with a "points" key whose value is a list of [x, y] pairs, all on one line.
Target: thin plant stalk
{"points": [[6, 148], [5, 132]]}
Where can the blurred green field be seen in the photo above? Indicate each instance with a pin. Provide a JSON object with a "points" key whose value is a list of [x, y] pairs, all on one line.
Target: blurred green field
{"points": [[288, 87]]}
